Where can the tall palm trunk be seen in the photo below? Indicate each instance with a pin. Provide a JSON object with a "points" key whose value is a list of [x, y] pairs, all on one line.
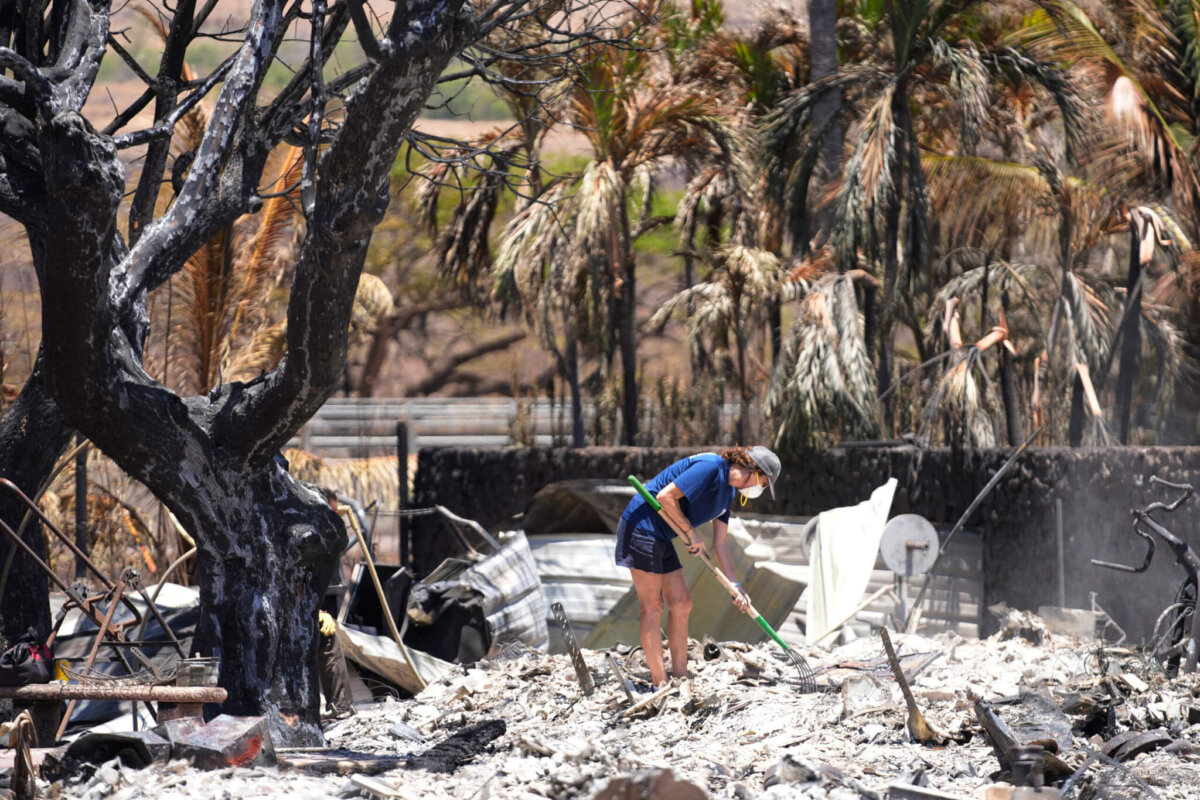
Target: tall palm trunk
{"points": [[1008, 389], [1131, 332], [571, 367], [627, 308], [891, 261], [823, 61], [1075, 423]]}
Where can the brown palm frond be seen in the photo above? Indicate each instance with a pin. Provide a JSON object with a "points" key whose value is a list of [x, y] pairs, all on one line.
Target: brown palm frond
{"points": [[964, 412], [280, 222], [1168, 344], [261, 354], [367, 480], [866, 182], [823, 388], [202, 294], [372, 302], [1090, 312], [980, 195]]}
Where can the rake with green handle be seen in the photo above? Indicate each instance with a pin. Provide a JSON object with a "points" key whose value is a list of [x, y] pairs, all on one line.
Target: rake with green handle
{"points": [[808, 683]]}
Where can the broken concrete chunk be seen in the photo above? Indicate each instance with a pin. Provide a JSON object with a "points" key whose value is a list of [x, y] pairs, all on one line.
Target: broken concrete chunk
{"points": [[1080, 623], [790, 769], [1135, 683], [657, 784], [402, 731], [226, 741], [864, 692]]}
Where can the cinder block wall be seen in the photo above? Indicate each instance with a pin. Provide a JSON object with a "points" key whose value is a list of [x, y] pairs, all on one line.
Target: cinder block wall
{"points": [[1017, 519]]}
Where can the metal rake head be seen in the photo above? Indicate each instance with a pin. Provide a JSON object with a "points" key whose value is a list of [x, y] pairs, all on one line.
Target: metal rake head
{"points": [[808, 681]]}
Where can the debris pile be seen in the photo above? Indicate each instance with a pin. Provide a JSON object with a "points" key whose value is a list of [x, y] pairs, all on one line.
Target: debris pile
{"points": [[1099, 722]]}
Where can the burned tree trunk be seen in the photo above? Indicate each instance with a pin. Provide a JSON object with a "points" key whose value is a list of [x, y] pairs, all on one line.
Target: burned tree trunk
{"points": [[33, 435], [261, 622], [267, 542]]}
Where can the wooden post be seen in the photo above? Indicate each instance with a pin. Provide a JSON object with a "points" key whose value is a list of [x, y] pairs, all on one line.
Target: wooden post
{"points": [[402, 467]]}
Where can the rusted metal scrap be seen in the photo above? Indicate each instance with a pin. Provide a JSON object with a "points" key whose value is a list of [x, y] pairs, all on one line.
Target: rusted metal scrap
{"points": [[582, 673], [1126, 746], [918, 727], [1006, 746]]}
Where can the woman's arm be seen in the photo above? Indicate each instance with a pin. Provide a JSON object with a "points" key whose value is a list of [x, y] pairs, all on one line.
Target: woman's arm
{"points": [[669, 499], [725, 562]]}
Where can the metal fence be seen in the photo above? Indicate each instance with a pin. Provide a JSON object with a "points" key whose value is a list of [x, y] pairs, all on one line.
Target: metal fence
{"points": [[351, 427]]}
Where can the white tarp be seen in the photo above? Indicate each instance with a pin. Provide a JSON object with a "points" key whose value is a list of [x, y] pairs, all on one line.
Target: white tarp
{"points": [[843, 555]]}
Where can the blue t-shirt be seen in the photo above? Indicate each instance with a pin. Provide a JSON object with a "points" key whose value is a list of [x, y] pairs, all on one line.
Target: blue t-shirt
{"points": [[707, 495]]}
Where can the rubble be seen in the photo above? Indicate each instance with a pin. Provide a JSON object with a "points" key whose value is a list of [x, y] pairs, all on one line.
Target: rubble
{"points": [[739, 728]]}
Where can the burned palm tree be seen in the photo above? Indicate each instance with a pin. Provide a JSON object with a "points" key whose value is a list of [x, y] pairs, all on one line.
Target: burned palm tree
{"points": [[735, 299], [934, 52], [822, 389], [635, 119]]}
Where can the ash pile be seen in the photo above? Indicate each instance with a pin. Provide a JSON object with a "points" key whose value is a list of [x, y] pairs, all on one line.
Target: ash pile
{"points": [[943, 717]]}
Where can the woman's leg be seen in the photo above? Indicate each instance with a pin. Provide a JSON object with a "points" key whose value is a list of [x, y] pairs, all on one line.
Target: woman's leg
{"points": [[649, 587], [679, 606]]}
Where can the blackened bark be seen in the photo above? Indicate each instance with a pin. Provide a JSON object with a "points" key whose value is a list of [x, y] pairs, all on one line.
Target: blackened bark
{"points": [[625, 328], [267, 543], [572, 375], [267, 548], [1012, 406], [823, 61], [33, 435], [1075, 423], [1008, 390], [891, 276], [1131, 330]]}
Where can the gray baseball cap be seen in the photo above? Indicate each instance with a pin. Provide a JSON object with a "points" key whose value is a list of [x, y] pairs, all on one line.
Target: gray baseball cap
{"points": [[768, 464]]}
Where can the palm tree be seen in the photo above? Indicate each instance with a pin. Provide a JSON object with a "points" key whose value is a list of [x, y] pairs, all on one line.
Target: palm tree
{"points": [[822, 388], [1149, 78], [736, 298], [927, 51], [635, 119]]}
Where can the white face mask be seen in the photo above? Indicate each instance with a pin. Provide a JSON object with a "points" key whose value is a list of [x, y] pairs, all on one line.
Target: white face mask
{"points": [[751, 492]]}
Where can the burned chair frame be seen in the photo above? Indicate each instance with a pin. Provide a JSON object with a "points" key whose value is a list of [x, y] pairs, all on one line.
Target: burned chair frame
{"points": [[99, 607], [1177, 629]]}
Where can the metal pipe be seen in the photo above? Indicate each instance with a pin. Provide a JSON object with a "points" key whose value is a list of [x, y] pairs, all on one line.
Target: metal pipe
{"points": [[912, 613], [1062, 576], [79, 554]]}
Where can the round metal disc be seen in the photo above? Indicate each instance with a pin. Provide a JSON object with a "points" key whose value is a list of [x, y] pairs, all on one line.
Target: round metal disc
{"points": [[909, 545]]}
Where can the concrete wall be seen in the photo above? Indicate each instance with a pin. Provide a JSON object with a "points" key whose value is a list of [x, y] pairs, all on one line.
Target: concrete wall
{"points": [[1017, 519]]}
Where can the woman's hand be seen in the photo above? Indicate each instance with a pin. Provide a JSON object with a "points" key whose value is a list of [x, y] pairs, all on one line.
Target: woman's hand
{"points": [[740, 599]]}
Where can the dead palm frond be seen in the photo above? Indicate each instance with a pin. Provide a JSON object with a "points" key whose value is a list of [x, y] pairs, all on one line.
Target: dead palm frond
{"points": [[732, 302], [867, 184], [1067, 33], [372, 302], [823, 386], [973, 195], [962, 404], [1090, 310], [367, 480]]}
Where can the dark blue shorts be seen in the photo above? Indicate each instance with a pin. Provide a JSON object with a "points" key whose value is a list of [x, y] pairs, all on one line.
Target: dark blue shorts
{"points": [[637, 550]]}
